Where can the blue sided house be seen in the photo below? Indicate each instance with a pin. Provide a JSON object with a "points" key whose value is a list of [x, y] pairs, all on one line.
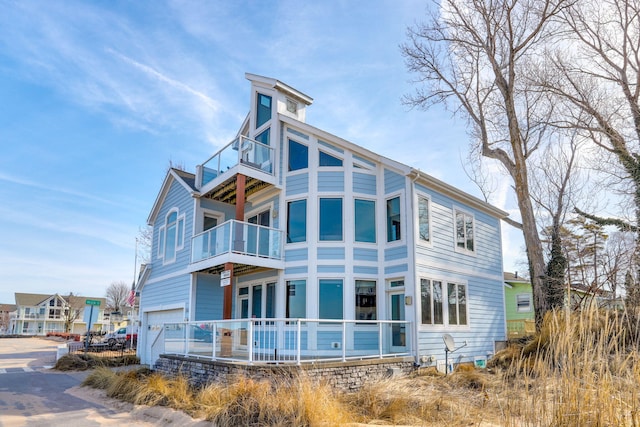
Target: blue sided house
{"points": [[291, 245]]}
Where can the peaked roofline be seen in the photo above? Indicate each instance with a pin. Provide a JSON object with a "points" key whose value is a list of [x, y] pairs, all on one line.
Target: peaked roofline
{"points": [[172, 174], [283, 87]]}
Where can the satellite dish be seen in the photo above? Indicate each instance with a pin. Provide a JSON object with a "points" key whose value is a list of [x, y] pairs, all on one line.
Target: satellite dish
{"points": [[448, 342]]}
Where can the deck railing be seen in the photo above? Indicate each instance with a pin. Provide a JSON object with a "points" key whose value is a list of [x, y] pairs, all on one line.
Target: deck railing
{"points": [[241, 150], [520, 328], [239, 237], [293, 341]]}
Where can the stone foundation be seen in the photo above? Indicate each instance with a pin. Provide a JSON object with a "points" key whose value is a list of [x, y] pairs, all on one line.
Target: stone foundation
{"points": [[346, 376]]}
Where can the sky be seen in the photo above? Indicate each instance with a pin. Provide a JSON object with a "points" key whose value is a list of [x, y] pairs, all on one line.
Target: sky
{"points": [[98, 99]]}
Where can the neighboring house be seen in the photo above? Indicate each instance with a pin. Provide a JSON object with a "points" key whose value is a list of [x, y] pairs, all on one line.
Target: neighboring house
{"points": [[5, 316], [518, 304], [290, 222], [39, 314]]}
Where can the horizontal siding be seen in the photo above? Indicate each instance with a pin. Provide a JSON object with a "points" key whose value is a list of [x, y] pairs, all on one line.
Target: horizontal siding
{"points": [[393, 181], [365, 340], [330, 269], [331, 253], [364, 254], [332, 181], [333, 147], [209, 297], [392, 269], [486, 319], [292, 255], [298, 133], [327, 338], [297, 184], [303, 269], [177, 197], [486, 260], [395, 253], [364, 183], [361, 269], [166, 292]]}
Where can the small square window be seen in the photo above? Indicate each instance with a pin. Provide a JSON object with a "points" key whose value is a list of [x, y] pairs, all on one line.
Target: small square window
{"points": [[523, 302]]}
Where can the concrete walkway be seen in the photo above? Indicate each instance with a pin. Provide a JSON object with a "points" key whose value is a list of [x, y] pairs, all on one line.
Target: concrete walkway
{"points": [[31, 394]]}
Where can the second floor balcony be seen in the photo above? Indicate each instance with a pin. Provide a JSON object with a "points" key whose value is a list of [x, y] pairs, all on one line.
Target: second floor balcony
{"points": [[216, 177], [237, 242]]}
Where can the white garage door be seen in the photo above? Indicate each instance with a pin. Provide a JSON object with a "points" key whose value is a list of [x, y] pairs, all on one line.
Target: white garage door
{"points": [[153, 331]]}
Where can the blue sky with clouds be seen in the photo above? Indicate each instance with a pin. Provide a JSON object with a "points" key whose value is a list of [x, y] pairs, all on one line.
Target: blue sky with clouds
{"points": [[97, 98]]}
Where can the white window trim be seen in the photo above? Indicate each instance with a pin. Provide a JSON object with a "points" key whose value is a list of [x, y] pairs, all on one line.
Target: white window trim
{"points": [[528, 309], [219, 216], [163, 229], [330, 242], [285, 226], [445, 326], [403, 220], [416, 218], [344, 295], [375, 220], [180, 245], [286, 157], [258, 210], [330, 168], [161, 242], [388, 281], [464, 250]]}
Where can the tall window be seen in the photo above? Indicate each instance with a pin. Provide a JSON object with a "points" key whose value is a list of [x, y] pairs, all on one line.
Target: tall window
{"points": [[298, 156], [457, 304], [365, 224], [296, 305], [297, 221], [464, 231], [393, 219], [330, 220], [171, 236], [433, 295], [366, 306], [263, 110], [423, 219], [330, 301]]}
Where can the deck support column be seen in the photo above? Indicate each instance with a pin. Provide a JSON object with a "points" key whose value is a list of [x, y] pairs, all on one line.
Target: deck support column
{"points": [[240, 199]]}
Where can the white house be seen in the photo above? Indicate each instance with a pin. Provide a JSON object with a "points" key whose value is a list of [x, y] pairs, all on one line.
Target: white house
{"points": [[290, 222], [40, 314]]}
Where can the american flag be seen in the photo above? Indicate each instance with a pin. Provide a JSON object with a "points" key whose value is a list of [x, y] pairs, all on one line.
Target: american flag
{"points": [[132, 295]]}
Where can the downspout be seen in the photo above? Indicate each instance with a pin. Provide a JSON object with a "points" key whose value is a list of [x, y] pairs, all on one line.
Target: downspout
{"points": [[417, 291]]}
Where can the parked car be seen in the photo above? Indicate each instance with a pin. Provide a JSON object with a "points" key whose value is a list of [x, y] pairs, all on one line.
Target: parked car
{"points": [[121, 337], [201, 334]]}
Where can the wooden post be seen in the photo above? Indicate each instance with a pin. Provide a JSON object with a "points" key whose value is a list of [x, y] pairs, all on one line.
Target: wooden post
{"points": [[228, 290]]}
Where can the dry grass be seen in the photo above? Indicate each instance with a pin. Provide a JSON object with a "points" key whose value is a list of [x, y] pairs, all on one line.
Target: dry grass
{"points": [[81, 362], [578, 371]]}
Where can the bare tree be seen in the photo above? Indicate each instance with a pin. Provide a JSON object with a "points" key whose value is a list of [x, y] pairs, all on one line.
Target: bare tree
{"points": [[72, 311], [474, 57], [144, 240], [116, 295], [596, 78]]}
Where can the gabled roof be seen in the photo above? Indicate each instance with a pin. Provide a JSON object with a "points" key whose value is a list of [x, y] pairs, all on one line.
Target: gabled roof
{"points": [[186, 179], [7, 308], [34, 300]]}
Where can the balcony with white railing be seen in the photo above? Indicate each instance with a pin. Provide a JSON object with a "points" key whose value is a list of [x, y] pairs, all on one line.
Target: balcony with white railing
{"points": [[286, 341], [241, 156], [237, 242]]}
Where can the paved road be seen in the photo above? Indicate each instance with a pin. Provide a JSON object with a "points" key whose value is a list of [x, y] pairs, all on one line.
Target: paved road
{"points": [[31, 394]]}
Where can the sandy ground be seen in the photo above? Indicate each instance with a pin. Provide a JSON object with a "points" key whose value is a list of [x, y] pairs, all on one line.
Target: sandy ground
{"points": [[145, 415]]}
